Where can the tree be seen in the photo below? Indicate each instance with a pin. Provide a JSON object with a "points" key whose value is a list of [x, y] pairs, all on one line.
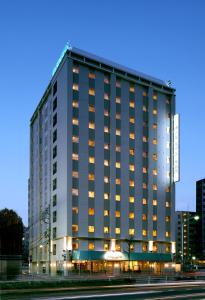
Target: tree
{"points": [[11, 232]]}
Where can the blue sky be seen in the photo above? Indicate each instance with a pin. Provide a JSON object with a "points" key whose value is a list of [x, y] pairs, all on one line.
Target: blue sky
{"points": [[165, 39]]}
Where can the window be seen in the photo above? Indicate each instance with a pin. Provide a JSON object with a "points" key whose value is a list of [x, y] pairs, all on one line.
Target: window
{"points": [[154, 111], [154, 233], [91, 125], [106, 113], [144, 201], [91, 194], [144, 170], [54, 168], [118, 100], [106, 196], [118, 132], [132, 88], [117, 230], [154, 96], [91, 143], [54, 136], [131, 215], [132, 120], [154, 172], [91, 246], [54, 104], [91, 92], [117, 214], [145, 139], [118, 83], [131, 199], [144, 94], [118, 116], [167, 204], [75, 174], [106, 129], [106, 162], [91, 109], [132, 136], [54, 216], [106, 246], [54, 200], [75, 156], [75, 210], [55, 87], [132, 167], [145, 154], [54, 233], [54, 249], [154, 156], [144, 247], [117, 181], [144, 185], [75, 104], [117, 247], [54, 184], [75, 192], [106, 96], [91, 229], [154, 187], [132, 104], [144, 232], [75, 69], [144, 217], [154, 141], [75, 246], [75, 87], [91, 177], [131, 232], [117, 197], [54, 120], [91, 211], [106, 79], [167, 218], [75, 228], [75, 122], [154, 218], [106, 213], [106, 229], [132, 151], [144, 108], [154, 202], [91, 75], [117, 148], [106, 179], [106, 146], [132, 183], [91, 160], [154, 126], [117, 164], [167, 234], [75, 139]]}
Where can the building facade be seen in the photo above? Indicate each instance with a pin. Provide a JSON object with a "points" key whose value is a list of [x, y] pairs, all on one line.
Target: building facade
{"points": [[103, 166], [200, 211]]}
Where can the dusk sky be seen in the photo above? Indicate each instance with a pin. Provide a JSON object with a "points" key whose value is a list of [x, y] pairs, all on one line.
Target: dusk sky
{"points": [[165, 39]]}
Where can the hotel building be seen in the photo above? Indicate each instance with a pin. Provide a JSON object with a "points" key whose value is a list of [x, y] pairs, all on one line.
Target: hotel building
{"points": [[103, 167]]}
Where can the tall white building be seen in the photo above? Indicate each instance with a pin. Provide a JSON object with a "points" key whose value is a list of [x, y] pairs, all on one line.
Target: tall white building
{"points": [[103, 166]]}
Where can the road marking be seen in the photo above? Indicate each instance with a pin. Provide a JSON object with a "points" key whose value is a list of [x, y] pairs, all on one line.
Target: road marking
{"points": [[178, 296], [99, 295]]}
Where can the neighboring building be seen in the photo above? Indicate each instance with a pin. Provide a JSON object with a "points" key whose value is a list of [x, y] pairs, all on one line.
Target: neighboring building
{"points": [[200, 211], [186, 234], [103, 166]]}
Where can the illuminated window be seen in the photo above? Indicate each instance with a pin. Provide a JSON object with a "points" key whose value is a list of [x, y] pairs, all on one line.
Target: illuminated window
{"points": [[144, 108], [106, 213], [106, 246], [132, 136], [144, 170], [154, 156], [132, 167], [168, 129], [131, 232], [106, 80], [91, 176], [154, 97], [144, 247], [106, 96], [154, 141], [106, 113], [91, 229], [117, 197], [168, 190], [154, 218], [106, 146], [117, 230], [118, 100], [91, 92], [118, 132], [75, 228], [132, 183], [132, 104], [131, 246], [91, 160], [75, 246], [117, 181], [75, 70], [75, 87], [75, 139], [154, 202], [106, 129], [91, 194], [75, 122], [117, 148], [117, 164], [167, 204], [131, 199], [118, 83], [145, 139], [91, 211], [118, 116], [91, 108], [131, 215], [132, 88], [117, 247], [75, 174], [75, 210], [167, 218], [168, 159], [154, 111], [91, 143], [144, 154], [144, 232], [75, 192], [144, 94], [154, 126], [91, 75], [106, 229], [144, 201], [168, 145], [91, 246], [106, 162], [132, 151], [91, 125], [154, 247], [106, 179], [144, 217], [154, 187], [167, 234], [168, 174], [106, 196], [154, 172], [154, 232], [75, 156], [117, 214], [144, 185], [75, 104], [132, 120]]}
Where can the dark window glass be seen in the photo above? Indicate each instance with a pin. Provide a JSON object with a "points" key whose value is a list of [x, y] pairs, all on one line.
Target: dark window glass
{"points": [[54, 168], [54, 120], [54, 200], [54, 151], [55, 216], [54, 136], [54, 104], [54, 249], [55, 88], [54, 184], [54, 233]]}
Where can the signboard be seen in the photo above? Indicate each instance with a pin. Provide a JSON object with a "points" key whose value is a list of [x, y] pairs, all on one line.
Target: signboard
{"points": [[114, 255], [67, 47], [176, 149]]}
